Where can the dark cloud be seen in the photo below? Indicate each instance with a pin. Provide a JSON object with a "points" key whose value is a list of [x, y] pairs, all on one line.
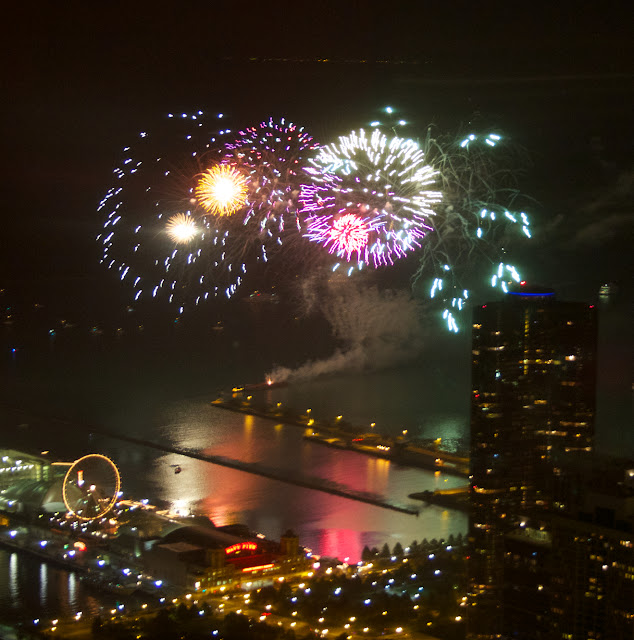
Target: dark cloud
{"points": [[607, 216]]}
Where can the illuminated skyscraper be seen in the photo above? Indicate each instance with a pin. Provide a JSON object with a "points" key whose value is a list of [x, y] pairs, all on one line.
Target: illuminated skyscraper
{"points": [[592, 564], [533, 402]]}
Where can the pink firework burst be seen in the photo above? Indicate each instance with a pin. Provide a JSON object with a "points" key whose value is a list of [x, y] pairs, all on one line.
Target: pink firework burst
{"points": [[349, 234]]}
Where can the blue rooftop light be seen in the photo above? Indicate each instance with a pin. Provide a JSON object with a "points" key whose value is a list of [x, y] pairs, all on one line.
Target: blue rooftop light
{"points": [[540, 295]]}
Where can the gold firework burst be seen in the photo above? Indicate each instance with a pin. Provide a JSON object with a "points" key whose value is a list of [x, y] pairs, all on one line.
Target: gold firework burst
{"points": [[221, 190], [181, 228]]}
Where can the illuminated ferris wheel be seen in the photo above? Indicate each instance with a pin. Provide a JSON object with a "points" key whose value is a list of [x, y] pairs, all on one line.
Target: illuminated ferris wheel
{"points": [[91, 487]]}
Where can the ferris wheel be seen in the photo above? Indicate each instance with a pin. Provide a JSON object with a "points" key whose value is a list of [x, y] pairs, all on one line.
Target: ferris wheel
{"points": [[91, 486]]}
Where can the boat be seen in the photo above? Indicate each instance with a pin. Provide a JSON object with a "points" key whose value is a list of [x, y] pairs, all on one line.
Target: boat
{"points": [[267, 384]]}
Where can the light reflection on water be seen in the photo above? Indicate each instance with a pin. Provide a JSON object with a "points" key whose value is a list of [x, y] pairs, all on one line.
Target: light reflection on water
{"points": [[72, 591], [43, 584], [13, 575], [31, 589], [328, 524], [427, 401]]}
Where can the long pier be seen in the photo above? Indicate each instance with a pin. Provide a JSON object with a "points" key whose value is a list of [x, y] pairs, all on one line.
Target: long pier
{"points": [[408, 454], [317, 484]]}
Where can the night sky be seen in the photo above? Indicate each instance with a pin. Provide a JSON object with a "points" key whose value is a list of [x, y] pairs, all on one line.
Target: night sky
{"points": [[81, 78]]}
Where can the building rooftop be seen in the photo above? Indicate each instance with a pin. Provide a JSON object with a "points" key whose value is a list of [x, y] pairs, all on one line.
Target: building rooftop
{"points": [[207, 537], [179, 547]]}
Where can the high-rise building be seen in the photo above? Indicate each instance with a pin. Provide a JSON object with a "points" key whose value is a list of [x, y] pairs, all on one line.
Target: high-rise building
{"points": [[592, 567], [533, 403]]}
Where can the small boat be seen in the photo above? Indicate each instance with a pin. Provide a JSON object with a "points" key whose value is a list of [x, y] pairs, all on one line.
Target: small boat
{"points": [[268, 384], [177, 470]]}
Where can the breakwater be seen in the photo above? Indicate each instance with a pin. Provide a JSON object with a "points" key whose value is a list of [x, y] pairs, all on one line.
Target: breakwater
{"points": [[458, 501], [318, 484]]}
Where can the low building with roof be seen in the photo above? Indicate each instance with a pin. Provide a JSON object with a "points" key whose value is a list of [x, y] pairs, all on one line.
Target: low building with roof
{"points": [[202, 556], [188, 552], [16, 465]]}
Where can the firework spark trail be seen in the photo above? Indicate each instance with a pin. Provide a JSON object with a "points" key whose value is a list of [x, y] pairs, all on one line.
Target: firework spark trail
{"points": [[384, 181], [342, 235], [477, 221]]}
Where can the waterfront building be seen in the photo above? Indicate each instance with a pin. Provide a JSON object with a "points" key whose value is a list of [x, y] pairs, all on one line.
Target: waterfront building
{"points": [[201, 556], [177, 552], [16, 465], [532, 406], [30, 485]]}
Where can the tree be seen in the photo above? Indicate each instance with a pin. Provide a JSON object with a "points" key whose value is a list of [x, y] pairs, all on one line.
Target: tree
{"points": [[161, 626], [97, 625]]}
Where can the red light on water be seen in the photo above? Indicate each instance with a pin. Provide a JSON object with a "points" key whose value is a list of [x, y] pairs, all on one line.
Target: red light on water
{"points": [[522, 283]]}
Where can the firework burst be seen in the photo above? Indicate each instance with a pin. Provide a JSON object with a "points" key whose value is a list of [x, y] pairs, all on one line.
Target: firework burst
{"points": [[156, 235], [272, 155], [181, 228], [221, 190], [343, 236], [384, 181], [478, 221]]}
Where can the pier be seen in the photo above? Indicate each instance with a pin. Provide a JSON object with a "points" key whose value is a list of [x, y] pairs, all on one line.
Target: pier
{"points": [[354, 438]]}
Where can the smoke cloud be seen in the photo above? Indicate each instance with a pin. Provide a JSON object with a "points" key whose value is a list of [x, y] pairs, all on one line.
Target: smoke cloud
{"points": [[376, 329]]}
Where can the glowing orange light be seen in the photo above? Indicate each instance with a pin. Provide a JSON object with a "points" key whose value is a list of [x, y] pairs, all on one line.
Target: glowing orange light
{"points": [[258, 568], [221, 190], [105, 504], [181, 228]]}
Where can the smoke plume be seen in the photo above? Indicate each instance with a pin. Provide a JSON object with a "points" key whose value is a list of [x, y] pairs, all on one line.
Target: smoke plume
{"points": [[375, 329]]}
